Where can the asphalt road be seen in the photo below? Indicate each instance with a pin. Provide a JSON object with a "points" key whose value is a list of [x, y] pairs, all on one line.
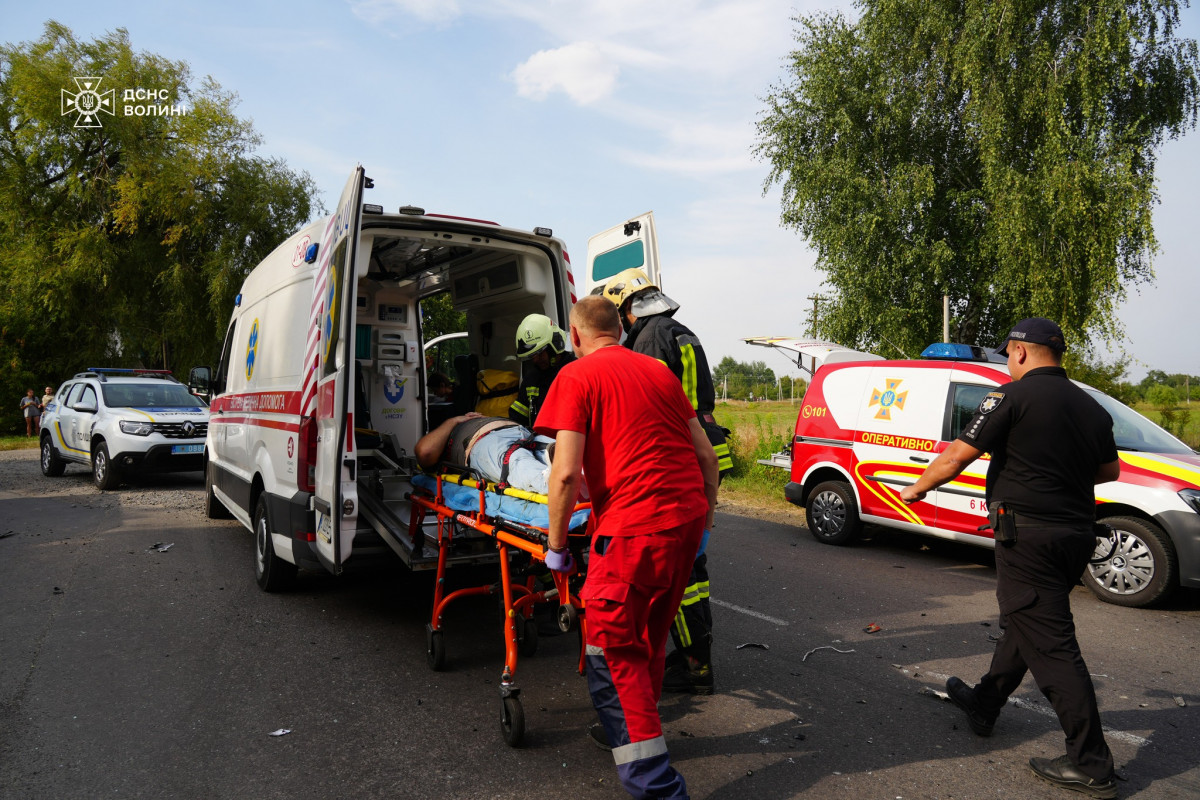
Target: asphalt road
{"points": [[130, 672]]}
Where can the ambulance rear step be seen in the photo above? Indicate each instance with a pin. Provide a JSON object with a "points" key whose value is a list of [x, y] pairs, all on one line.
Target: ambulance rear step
{"points": [[390, 518]]}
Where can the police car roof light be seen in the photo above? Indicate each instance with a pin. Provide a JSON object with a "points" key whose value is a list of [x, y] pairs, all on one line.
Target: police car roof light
{"points": [[946, 351]]}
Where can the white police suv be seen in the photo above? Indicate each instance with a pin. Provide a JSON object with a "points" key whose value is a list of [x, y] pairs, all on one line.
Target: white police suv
{"points": [[122, 422]]}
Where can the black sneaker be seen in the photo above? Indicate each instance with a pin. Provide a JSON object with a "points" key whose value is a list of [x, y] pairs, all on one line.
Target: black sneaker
{"points": [[698, 680], [1061, 772], [963, 696], [599, 736]]}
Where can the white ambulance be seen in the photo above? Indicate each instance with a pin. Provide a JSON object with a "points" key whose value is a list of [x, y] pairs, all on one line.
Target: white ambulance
{"points": [[868, 427], [319, 397]]}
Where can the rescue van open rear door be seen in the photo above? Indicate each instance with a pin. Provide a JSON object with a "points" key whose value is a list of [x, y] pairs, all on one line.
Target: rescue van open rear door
{"points": [[631, 244], [335, 495]]}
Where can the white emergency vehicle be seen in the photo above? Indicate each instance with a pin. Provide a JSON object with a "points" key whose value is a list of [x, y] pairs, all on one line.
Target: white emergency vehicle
{"points": [[868, 427], [123, 422], [320, 394]]}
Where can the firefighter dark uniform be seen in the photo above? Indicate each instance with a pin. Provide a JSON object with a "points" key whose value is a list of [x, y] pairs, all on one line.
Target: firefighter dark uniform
{"points": [[535, 385], [1048, 439], [671, 342]]}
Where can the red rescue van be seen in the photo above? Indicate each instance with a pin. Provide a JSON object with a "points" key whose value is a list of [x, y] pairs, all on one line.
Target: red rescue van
{"points": [[868, 427]]}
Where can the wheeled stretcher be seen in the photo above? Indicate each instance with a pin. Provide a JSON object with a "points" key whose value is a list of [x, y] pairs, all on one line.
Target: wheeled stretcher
{"points": [[517, 520]]}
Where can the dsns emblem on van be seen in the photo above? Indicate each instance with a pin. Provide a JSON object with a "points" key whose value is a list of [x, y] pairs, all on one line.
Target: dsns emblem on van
{"points": [[888, 399], [251, 349]]}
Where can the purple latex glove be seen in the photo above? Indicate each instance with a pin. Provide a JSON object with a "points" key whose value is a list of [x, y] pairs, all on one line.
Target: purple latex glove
{"points": [[559, 562]]}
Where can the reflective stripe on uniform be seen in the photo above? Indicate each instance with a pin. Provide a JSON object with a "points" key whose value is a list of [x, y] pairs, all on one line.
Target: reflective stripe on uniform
{"points": [[595, 650], [724, 458], [520, 408], [636, 751], [687, 355], [695, 593], [681, 628]]}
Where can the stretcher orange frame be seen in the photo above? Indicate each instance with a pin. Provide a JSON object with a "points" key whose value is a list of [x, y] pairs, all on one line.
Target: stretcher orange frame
{"points": [[518, 598]]}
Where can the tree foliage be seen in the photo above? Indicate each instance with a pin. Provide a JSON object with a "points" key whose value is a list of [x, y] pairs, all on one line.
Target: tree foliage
{"points": [[997, 151], [125, 244], [740, 380]]}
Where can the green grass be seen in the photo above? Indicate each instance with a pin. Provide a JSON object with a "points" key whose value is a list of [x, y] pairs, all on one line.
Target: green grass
{"points": [[1186, 423], [21, 442], [759, 429]]}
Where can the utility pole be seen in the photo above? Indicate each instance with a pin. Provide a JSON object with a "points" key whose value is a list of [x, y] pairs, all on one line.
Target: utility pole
{"points": [[812, 325]]}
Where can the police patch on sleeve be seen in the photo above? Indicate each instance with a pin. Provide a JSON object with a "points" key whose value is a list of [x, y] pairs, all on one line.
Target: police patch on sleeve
{"points": [[991, 401]]}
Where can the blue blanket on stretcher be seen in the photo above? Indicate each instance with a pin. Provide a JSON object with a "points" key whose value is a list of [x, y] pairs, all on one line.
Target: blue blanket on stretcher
{"points": [[513, 509]]}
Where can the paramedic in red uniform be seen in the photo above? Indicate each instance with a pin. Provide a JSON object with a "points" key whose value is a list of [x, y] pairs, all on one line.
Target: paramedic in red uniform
{"points": [[622, 419], [648, 317]]}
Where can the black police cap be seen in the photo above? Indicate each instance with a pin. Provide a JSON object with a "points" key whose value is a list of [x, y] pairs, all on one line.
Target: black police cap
{"points": [[1036, 330]]}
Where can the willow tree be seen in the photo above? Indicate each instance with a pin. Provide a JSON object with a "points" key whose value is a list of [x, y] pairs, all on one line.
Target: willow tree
{"points": [[127, 222], [999, 152]]}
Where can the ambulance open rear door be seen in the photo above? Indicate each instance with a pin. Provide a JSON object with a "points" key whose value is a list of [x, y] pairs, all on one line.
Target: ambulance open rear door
{"points": [[631, 244], [335, 496]]}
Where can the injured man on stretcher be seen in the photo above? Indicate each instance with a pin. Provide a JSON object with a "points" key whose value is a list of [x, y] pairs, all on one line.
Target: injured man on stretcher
{"points": [[499, 449]]}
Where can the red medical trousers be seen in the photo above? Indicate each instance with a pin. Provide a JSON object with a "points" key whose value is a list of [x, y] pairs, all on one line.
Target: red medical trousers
{"points": [[633, 589]]}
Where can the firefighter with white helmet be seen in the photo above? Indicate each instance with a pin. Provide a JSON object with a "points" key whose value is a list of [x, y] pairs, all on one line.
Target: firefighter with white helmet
{"points": [[542, 348], [648, 318]]}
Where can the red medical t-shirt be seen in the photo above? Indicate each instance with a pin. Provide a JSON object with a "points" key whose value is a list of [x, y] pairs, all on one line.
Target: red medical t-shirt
{"points": [[639, 463]]}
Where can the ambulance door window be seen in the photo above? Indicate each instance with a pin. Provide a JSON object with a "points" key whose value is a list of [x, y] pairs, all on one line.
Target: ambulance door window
{"points": [[964, 402], [219, 379]]}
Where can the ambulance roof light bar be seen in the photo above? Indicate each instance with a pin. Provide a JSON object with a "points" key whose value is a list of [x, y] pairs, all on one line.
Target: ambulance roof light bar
{"points": [[946, 351]]}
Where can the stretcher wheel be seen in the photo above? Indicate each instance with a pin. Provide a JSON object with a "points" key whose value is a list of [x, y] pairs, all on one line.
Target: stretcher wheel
{"points": [[568, 617], [512, 721], [527, 635], [435, 649]]}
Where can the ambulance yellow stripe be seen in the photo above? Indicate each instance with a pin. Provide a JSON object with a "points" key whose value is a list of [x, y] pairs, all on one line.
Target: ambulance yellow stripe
{"points": [[893, 503], [1171, 469]]}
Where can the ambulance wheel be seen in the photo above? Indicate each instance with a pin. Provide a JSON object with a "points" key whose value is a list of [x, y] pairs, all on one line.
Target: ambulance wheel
{"points": [[272, 572], [213, 507], [527, 636], [568, 617], [512, 721], [435, 649], [104, 472], [832, 514], [1142, 568], [52, 465]]}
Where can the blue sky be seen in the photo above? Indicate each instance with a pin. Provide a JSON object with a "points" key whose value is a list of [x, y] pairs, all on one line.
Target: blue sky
{"points": [[574, 115]]}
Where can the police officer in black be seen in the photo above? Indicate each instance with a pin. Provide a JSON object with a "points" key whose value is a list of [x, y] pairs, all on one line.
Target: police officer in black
{"points": [[1051, 444]]}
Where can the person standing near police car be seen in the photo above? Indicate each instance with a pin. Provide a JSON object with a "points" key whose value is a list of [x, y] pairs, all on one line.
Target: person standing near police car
{"points": [[1051, 444], [542, 349], [648, 317]]}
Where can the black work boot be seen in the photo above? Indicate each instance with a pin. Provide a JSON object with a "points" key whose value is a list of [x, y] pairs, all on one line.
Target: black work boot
{"points": [[1061, 772], [689, 677], [963, 696], [599, 736]]}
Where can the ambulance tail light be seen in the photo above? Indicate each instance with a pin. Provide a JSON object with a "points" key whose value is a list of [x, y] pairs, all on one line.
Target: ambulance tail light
{"points": [[306, 464]]}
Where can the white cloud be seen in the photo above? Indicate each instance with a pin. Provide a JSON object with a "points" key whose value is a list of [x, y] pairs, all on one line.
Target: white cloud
{"points": [[580, 70]]}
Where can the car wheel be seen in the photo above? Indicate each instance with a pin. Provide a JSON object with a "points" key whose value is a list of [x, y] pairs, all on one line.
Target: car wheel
{"points": [[213, 507], [832, 514], [1142, 568], [104, 473], [52, 465], [273, 573]]}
